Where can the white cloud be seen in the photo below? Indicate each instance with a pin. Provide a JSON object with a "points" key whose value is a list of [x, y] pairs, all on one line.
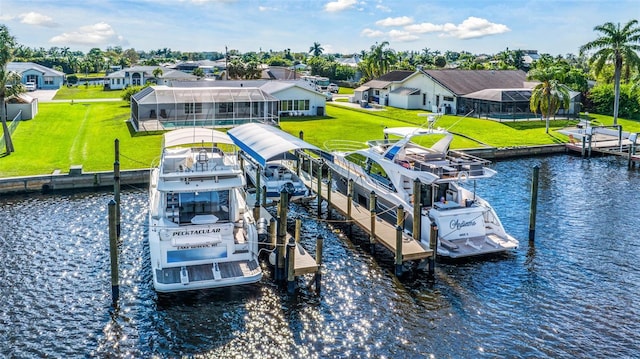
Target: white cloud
{"points": [[371, 33], [383, 8], [266, 8], [6, 17], [395, 21], [91, 35], [472, 27], [339, 5], [34, 18], [403, 36]]}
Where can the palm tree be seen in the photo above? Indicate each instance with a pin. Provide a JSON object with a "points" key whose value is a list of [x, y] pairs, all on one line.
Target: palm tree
{"points": [[157, 73], [7, 44], [617, 45], [382, 59], [549, 95], [316, 49]]}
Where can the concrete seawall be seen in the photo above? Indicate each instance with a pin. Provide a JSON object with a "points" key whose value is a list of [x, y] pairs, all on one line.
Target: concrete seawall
{"points": [[76, 179]]}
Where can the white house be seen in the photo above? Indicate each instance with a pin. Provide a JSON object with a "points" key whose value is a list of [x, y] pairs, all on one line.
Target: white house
{"points": [[503, 93], [140, 75]]}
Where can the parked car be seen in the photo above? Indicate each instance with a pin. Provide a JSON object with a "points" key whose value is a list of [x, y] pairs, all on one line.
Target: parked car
{"points": [[328, 95], [333, 88], [31, 86]]}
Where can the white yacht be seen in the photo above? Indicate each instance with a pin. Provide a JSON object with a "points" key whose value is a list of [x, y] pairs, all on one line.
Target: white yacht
{"points": [[467, 224], [201, 231]]}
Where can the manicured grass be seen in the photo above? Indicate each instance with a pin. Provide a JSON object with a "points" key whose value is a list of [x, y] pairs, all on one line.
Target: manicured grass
{"points": [[65, 134], [345, 91], [83, 92]]}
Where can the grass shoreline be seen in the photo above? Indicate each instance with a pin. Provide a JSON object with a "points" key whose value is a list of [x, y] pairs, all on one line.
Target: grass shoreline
{"points": [[64, 134]]}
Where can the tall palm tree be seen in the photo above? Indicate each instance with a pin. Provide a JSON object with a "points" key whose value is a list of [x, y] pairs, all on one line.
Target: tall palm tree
{"points": [[7, 44], [316, 49], [549, 95], [619, 46], [382, 59]]}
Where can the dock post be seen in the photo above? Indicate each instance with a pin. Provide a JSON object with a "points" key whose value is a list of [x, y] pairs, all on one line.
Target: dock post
{"points": [[116, 184], [349, 202], [583, 151], [433, 243], [372, 208], [273, 232], [400, 216], [417, 210], [113, 251], [319, 189], [590, 140], [256, 211], [329, 186], [534, 203], [297, 232], [398, 258], [291, 279], [258, 188], [318, 276], [282, 235], [241, 159]]}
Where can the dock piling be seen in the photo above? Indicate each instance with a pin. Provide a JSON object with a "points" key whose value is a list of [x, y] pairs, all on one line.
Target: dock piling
{"points": [[417, 215], [349, 202], [329, 185], [398, 258], [372, 208], [291, 279], [116, 184], [534, 203], [297, 232], [318, 275], [113, 251], [319, 188], [258, 188], [433, 243], [282, 235]]}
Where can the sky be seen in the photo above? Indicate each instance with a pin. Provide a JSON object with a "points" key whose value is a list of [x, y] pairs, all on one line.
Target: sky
{"points": [[555, 27]]}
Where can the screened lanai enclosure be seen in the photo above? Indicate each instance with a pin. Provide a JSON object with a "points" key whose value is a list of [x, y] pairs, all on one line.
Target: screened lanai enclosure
{"points": [[509, 104], [161, 107]]}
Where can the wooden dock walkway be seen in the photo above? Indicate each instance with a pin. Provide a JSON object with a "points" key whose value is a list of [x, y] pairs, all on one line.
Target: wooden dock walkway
{"points": [[385, 233]]}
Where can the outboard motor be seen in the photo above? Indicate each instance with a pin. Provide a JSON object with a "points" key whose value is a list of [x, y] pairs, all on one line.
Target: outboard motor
{"points": [[263, 230]]}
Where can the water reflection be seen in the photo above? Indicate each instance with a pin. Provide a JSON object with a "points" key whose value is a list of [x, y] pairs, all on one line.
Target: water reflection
{"points": [[571, 293]]}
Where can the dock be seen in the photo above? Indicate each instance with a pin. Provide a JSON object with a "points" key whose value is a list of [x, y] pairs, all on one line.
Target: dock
{"points": [[604, 141], [383, 232], [287, 247]]}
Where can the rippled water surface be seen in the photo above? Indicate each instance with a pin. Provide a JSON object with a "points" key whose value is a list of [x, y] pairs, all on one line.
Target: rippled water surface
{"points": [[573, 293]]}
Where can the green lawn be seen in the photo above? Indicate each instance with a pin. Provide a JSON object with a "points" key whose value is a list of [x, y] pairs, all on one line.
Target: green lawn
{"points": [[66, 134], [83, 92]]}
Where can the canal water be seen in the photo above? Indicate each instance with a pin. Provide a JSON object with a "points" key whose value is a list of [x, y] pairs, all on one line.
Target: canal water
{"points": [[573, 293]]}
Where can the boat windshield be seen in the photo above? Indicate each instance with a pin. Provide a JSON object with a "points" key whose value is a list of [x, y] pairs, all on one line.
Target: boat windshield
{"points": [[204, 203]]}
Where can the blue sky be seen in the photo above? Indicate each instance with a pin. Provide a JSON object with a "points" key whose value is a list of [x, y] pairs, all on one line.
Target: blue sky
{"points": [[340, 26]]}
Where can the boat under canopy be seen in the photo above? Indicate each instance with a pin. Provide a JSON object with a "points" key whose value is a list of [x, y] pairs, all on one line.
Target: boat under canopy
{"points": [[266, 143]]}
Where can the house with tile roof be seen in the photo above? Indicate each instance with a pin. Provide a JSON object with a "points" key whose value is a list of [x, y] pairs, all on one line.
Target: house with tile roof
{"points": [[45, 78], [140, 75]]}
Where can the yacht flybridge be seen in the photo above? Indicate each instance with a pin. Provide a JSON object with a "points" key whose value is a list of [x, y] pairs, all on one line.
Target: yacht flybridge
{"points": [[467, 224], [202, 234]]}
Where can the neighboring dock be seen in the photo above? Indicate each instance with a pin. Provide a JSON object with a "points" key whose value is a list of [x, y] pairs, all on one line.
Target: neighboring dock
{"points": [[404, 247], [604, 140]]}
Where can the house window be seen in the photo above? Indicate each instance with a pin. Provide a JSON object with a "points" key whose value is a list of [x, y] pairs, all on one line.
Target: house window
{"points": [[193, 108], [48, 80], [447, 98], [424, 99], [376, 92], [226, 107]]}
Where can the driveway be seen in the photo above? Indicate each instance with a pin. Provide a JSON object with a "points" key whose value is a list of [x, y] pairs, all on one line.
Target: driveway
{"points": [[43, 95]]}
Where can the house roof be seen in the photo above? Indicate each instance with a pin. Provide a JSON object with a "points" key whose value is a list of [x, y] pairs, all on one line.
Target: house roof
{"points": [[405, 91], [279, 73], [165, 94], [268, 86], [21, 67], [396, 75], [462, 82], [167, 73]]}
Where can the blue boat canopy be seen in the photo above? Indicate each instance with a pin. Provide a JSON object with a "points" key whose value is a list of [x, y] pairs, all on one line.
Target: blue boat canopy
{"points": [[266, 143]]}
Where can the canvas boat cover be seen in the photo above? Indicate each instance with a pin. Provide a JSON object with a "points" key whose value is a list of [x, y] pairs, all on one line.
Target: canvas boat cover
{"points": [[266, 143], [186, 136]]}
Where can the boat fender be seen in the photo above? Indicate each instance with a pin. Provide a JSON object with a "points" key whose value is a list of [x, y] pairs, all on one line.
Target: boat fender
{"points": [[463, 176]]}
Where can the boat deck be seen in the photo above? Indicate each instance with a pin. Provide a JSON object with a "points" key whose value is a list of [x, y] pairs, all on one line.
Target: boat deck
{"points": [[202, 272]]}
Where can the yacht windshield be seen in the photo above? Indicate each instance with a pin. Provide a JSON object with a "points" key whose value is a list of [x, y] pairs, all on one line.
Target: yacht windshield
{"points": [[204, 203]]}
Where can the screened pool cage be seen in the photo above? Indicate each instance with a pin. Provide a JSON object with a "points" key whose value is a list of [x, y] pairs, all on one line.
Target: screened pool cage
{"points": [[163, 108]]}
